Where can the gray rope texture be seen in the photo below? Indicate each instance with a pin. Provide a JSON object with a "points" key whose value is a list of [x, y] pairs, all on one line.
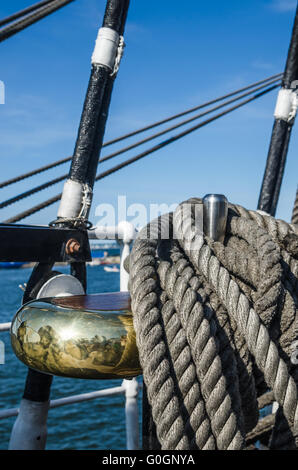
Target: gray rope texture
{"points": [[215, 323]]}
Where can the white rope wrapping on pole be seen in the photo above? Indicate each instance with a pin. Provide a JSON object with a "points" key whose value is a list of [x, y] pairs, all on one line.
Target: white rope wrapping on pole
{"points": [[71, 200], [286, 105], [106, 48], [75, 202]]}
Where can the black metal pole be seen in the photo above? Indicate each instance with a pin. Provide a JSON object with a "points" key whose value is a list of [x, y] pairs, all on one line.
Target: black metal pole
{"points": [[79, 185], [284, 119], [96, 106], [77, 194], [37, 387], [76, 197]]}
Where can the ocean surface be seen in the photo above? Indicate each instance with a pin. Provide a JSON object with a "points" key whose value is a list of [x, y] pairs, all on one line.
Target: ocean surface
{"points": [[96, 424]]}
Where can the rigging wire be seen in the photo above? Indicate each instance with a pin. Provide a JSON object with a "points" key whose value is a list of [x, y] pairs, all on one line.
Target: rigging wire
{"points": [[191, 110], [46, 185], [32, 18], [24, 12], [131, 134], [182, 134], [183, 123], [151, 150]]}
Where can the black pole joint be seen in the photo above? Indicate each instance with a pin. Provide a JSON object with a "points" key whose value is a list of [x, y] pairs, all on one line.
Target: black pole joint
{"points": [[281, 134], [96, 107]]}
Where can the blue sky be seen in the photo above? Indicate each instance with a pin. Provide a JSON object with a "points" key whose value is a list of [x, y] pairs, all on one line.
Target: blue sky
{"points": [[178, 55]]}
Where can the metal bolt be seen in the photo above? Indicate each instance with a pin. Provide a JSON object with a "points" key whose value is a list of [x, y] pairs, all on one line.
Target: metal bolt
{"points": [[72, 246], [215, 216]]}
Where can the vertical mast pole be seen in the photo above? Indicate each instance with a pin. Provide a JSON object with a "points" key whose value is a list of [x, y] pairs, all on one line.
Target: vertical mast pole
{"points": [[29, 431], [77, 193], [285, 113]]}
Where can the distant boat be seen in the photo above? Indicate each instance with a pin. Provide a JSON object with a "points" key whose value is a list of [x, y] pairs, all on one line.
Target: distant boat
{"points": [[103, 253], [10, 265], [111, 269]]}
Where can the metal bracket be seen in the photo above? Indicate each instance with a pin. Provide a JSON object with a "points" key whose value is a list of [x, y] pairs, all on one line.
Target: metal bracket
{"points": [[42, 244]]}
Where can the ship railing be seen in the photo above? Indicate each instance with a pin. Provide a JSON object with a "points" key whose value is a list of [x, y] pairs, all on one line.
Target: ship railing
{"points": [[4, 327], [128, 388], [124, 234]]}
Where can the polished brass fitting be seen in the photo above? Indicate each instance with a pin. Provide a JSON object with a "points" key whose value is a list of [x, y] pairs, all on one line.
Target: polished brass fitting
{"points": [[81, 336]]}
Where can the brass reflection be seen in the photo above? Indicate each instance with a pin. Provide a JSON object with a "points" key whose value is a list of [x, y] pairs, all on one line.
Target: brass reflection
{"points": [[74, 343]]}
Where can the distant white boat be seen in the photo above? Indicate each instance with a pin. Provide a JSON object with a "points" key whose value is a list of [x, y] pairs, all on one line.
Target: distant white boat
{"points": [[111, 269]]}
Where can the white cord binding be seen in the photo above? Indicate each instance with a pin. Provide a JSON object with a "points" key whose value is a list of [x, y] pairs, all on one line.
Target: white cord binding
{"points": [[86, 202], [120, 52], [71, 200], [286, 105], [75, 201], [108, 49]]}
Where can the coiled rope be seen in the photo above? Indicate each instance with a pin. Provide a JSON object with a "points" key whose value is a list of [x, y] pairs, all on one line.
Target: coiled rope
{"points": [[215, 323]]}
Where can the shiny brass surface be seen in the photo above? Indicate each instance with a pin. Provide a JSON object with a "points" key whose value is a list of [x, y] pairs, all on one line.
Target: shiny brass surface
{"points": [[60, 336]]}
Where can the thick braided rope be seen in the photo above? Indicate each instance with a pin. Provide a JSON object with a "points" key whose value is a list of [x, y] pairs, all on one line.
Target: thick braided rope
{"points": [[264, 272], [212, 364], [196, 419], [227, 337], [157, 395], [156, 363], [187, 351], [152, 344], [285, 325], [156, 366], [285, 235], [256, 334]]}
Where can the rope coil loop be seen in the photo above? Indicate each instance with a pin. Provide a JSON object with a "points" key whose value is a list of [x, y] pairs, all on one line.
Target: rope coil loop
{"points": [[214, 324]]}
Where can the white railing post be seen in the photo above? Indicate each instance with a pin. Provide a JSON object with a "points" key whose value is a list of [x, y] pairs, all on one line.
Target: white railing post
{"points": [[126, 233], [131, 414], [30, 428], [5, 326], [124, 276], [2, 353]]}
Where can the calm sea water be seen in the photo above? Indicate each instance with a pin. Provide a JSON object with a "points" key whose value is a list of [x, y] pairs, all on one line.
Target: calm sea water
{"points": [[97, 424]]}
